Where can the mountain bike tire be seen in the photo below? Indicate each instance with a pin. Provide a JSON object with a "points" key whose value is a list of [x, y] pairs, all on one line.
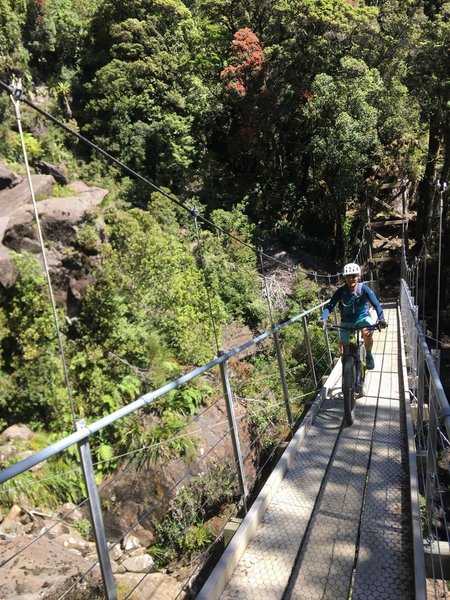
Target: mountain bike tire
{"points": [[348, 389]]}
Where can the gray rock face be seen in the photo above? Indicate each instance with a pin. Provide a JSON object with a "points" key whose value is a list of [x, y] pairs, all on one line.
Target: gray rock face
{"points": [[59, 220], [34, 575], [13, 198], [57, 172]]}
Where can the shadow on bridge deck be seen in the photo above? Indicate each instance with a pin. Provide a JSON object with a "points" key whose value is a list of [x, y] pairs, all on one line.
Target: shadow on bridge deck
{"points": [[334, 519]]}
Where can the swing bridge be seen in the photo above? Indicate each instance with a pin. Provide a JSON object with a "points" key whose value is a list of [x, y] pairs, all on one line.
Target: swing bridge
{"points": [[334, 512]]}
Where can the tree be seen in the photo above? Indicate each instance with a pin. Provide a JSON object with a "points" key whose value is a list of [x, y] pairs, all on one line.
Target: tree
{"points": [[344, 141], [142, 94], [13, 57], [430, 82]]}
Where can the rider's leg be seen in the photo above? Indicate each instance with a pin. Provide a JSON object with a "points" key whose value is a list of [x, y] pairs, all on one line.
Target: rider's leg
{"points": [[343, 336], [368, 343], [368, 340]]}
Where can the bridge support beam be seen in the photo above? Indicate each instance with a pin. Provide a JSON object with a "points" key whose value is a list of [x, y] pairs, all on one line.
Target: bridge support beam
{"points": [[97, 517], [282, 371], [228, 395]]}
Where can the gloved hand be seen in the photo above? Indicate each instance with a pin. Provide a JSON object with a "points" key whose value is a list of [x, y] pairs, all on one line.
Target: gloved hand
{"points": [[382, 324]]}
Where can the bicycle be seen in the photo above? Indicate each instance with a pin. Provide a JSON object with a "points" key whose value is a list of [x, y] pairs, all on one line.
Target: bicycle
{"points": [[353, 367]]}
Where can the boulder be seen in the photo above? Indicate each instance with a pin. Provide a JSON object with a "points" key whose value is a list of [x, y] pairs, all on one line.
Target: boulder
{"points": [[59, 219], [8, 179], [138, 564], [59, 173], [13, 198], [16, 432]]}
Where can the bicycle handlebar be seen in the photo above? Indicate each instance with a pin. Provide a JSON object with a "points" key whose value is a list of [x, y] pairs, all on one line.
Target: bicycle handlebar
{"points": [[377, 326]]}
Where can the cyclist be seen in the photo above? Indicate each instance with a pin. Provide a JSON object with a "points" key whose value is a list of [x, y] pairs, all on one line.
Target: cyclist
{"points": [[354, 300]]}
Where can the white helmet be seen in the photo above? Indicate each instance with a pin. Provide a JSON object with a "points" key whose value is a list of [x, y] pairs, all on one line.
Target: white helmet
{"points": [[352, 269]]}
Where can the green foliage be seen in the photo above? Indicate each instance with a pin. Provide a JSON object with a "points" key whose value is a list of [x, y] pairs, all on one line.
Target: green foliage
{"points": [[344, 119], [182, 531], [165, 438], [187, 400], [231, 266], [11, 148], [54, 31], [83, 526], [305, 294], [143, 97], [32, 379], [148, 287], [13, 57], [59, 480]]}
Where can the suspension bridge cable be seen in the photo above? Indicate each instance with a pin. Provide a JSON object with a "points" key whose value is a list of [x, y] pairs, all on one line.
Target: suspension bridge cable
{"points": [[16, 99], [11, 91]]}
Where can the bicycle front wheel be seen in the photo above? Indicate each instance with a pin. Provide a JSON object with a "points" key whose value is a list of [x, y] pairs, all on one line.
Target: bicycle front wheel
{"points": [[348, 389]]}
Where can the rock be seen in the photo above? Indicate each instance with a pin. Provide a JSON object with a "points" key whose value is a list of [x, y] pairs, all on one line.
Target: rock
{"points": [[137, 552], [16, 432], [8, 271], [7, 451], [70, 512], [26, 454], [115, 552], [130, 542], [11, 523], [14, 513], [54, 529], [14, 198], [74, 541], [116, 568], [146, 538], [59, 219], [154, 585], [8, 179], [44, 570], [125, 497], [59, 173], [58, 216], [138, 564]]}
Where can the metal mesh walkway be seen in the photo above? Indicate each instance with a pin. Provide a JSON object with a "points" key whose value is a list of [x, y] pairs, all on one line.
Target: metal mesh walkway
{"points": [[338, 525]]}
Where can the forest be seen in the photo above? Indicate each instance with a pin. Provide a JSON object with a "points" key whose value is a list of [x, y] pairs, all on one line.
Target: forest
{"points": [[275, 120]]}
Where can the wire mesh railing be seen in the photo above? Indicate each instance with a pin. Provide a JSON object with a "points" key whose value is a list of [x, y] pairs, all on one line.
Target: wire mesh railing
{"points": [[431, 417]]}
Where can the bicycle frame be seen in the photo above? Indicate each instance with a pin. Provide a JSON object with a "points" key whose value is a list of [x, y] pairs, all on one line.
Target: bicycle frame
{"points": [[353, 368]]}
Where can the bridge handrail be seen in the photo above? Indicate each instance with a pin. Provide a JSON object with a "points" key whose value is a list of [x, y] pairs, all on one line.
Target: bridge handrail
{"points": [[435, 380], [84, 431]]}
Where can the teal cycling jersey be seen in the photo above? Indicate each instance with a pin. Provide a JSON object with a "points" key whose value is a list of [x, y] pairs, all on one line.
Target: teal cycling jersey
{"points": [[353, 306]]}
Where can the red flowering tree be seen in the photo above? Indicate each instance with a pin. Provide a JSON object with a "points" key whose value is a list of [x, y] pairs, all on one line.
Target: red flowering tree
{"points": [[247, 61]]}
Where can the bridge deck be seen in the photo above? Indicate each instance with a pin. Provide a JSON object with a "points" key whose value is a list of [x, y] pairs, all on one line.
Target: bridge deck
{"points": [[338, 524]]}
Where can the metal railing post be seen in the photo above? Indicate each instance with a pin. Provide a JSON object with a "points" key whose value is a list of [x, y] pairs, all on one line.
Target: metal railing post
{"points": [[420, 389], [97, 517], [327, 342], [281, 368], [309, 351], [228, 395], [431, 454]]}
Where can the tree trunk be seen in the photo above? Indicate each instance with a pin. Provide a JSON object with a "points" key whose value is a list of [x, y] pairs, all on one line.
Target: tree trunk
{"points": [[427, 189]]}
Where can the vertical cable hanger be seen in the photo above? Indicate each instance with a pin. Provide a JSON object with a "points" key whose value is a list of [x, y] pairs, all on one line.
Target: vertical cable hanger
{"points": [[15, 98], [263, 274], [195, 216]]}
